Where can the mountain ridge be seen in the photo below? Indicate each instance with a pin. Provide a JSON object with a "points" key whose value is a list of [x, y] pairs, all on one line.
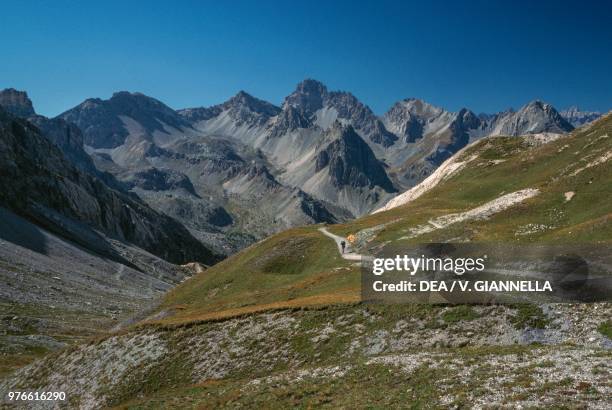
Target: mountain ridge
{"points": [[130, 134]]}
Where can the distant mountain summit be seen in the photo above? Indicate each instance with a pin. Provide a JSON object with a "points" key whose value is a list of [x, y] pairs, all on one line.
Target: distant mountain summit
{"points": [[575, 116], [107, 123], [65, 135], [532, 118], [411, 119], [16, 102], [243, 109], [312, 100], [40, 184]]}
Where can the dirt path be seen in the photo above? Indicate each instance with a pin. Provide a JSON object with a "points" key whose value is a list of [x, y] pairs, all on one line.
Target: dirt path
{"points": [[348, 254]]}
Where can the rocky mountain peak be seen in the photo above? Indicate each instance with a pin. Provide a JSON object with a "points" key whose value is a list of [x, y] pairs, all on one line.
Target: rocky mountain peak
{"points": [[16, 102], [572, 110], [468, 119], [536, 104], [420, 108], [245, 101], [350, 161], [103, 121], [412, 118], [138, 101], [309, 96], [575, 116], [311, 86], [532, 118]]}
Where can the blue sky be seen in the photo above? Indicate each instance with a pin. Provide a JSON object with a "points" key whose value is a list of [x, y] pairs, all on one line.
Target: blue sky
{"points": [[484, 55]]}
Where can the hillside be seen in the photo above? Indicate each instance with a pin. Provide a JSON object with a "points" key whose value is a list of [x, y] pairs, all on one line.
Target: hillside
{"points": [[77, 255], [579, 163], [280, 322]]}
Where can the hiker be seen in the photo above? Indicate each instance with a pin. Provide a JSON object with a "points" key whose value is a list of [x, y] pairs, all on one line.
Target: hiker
{"points": [[343, 244]]}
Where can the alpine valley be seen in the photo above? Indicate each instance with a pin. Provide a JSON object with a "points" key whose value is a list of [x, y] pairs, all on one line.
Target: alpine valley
{"points": [[155, 258], [239, 171]]}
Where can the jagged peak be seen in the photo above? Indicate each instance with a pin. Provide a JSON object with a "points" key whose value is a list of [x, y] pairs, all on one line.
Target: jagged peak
{"points": [[17, 102], [409, 107], [242, 99], [310, 85], [536, 103]]}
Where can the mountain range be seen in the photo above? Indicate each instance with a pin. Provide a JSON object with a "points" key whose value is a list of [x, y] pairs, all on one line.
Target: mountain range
{"points": [[575, 116], [238, 171], [285, 320], [115, 202]]}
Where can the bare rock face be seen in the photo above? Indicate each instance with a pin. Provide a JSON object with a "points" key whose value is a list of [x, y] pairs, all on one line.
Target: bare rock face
{"points": [[16, 102], [533, 118], [290, 119], [246, 109], [154, 179], [412, 119], [351, 162], [64, 135], [102, 123], [242, 109], [38, 183], [311, 96]]}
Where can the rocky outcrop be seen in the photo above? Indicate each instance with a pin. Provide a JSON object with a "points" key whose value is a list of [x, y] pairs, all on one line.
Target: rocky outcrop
{"points": [[311, 97], [290, 119], [351, 162], [16, 102], [154, 179], [533, 118], [37, 182], [242, 109], [66, 136]]}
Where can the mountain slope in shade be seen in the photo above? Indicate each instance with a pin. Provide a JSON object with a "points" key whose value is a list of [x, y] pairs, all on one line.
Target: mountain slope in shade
{"points": [[16, 102], [66, 136], [218, 207], [41, 185], [575, 116]]}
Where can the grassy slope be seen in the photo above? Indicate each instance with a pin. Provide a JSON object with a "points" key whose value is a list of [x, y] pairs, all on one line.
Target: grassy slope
{"points": [[587, 217], [296, 267], [301, 266]]}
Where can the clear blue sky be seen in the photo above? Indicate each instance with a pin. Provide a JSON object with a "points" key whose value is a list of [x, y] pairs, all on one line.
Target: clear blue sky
{"points": [[484, 55]]}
